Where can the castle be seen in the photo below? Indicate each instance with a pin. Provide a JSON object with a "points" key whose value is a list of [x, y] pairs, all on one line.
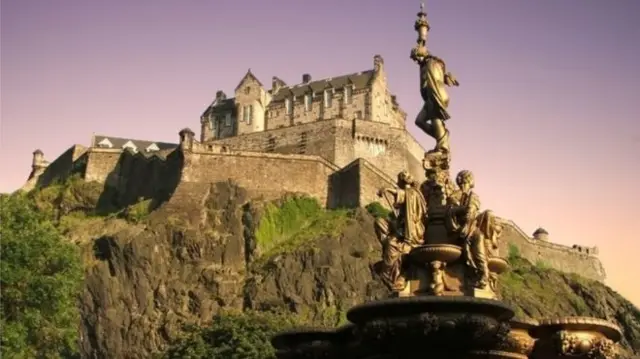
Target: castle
{"points": [[337, 139]]}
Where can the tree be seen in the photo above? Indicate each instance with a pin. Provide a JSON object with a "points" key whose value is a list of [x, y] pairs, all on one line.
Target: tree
{"points": [[41, 277], [233, 336]]}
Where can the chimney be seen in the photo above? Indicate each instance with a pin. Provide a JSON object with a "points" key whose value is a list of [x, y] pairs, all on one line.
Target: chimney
{"points": [[306, 78], [378, 63], [220, 96]]}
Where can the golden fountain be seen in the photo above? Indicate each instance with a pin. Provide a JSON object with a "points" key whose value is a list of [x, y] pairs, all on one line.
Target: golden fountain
{"points": [[440, 261]]}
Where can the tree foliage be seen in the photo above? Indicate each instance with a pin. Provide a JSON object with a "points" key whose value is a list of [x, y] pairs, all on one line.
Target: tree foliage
{"points": [[233, 336], [40, 277]]}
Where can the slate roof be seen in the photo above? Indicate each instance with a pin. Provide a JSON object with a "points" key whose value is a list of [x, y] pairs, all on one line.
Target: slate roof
{"points": [[141, 145], [359, 80]]}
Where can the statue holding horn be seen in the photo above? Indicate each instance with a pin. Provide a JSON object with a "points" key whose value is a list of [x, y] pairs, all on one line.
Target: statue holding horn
{"points": [[402, 231]]}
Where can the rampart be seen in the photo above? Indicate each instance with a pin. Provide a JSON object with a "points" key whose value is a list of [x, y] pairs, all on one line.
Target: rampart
{"points": [[557, 256], [341, 142], [185, 175]]}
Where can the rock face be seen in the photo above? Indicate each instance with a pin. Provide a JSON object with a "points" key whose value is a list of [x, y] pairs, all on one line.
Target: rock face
{"points": [[186, 261]]}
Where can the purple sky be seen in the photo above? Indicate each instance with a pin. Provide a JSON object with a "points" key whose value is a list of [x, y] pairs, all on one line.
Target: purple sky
{"points": [[546, 115]]}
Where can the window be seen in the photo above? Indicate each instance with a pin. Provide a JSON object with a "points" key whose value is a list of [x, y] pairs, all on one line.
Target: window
{"points": [[247, 90], [245, 113], [307, 102], [227, 120], [347, 94], [250, 114], [288, 106], [327, 98]]}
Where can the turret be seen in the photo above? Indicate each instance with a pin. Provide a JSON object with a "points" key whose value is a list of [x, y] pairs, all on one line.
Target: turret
{"points": [[541, 234], [186, 139], [38, 164]]}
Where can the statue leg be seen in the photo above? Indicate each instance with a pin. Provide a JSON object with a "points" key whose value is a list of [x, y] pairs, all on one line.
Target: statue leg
{"points": [[480, 260], [441, 134], [422, 121]]}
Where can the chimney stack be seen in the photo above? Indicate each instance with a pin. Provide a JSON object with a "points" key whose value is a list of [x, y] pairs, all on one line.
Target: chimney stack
{"points": [[306, 78], [220, 96]]}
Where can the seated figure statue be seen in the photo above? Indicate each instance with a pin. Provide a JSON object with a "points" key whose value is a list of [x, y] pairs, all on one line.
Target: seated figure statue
{"points": [[402, 231], [478, 231]]}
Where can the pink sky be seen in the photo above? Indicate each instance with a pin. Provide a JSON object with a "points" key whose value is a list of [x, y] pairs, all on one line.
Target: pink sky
{"points": [[546, 115]]}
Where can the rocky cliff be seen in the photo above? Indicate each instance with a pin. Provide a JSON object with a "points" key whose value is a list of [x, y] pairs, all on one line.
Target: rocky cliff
{"points": [[153, 267]]}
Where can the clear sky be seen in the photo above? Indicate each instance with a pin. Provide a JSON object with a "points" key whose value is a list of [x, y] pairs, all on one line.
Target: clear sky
{"points": [[546, 115]]}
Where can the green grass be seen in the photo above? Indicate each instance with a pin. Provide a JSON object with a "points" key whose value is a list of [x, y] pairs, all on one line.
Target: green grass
{"points": [[294, 222], [377, 210], [138, 211]]}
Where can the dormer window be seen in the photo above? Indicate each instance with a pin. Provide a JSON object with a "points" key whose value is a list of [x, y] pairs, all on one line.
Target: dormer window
{"points": [[307, 102], [288, 104], [328, 96], [348, 91], [105, 143], [130, 146], [152, 148]]}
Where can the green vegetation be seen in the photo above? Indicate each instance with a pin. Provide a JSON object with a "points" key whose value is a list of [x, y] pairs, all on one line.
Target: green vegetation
{"points": [[538, 291], [138, 211], [296, 221], [514, 252], [377, 210], [71, 195], [41, 277], [233, 336]]}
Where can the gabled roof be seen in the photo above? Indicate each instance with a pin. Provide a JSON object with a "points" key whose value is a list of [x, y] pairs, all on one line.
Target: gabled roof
{"points": [[118, 142], [247, 76]]}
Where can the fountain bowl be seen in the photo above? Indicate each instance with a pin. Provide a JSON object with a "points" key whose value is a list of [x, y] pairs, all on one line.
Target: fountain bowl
{"points": [[428, 253], [498, 265]]}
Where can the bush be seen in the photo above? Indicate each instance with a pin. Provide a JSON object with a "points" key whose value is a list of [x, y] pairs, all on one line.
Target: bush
{"points": [[377, 210], [297, 220], [233, 336], [41, 278]]}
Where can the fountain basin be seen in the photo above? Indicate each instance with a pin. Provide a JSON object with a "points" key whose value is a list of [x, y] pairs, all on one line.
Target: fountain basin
{"points": [[576, 337], [428, 253], [498, 265]]}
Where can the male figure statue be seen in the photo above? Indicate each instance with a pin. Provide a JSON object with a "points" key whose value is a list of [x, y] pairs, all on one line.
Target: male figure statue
{"points": [[401, 232], [433, 79], [475, 229]]}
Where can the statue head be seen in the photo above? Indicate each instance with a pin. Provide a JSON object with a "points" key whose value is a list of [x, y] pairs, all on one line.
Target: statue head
{"points": [[405, 179], [465, 181]]}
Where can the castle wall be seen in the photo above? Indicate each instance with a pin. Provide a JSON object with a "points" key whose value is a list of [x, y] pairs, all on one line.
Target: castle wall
{"points": [[340, 109], [311, 139], [102, 165], [263, 175], [68, 163], [559, 257]]}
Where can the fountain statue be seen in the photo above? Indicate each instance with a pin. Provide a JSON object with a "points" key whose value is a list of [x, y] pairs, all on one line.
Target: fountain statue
{"points": [[441, 264]]}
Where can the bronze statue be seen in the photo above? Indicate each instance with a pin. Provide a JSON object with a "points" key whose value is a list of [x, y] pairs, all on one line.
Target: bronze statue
{"points": [[433, 79], [403, 231], [479, 231]]}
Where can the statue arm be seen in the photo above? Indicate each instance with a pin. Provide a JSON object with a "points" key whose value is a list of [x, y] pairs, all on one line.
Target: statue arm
{"points": [[450, 80]]}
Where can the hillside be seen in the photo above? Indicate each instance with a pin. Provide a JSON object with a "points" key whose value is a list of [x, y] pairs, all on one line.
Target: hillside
{"points": [[154, 267]]}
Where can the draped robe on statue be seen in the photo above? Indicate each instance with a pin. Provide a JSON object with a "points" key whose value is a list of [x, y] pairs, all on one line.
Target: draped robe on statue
{"points": [[434, 94], [401, 233]]}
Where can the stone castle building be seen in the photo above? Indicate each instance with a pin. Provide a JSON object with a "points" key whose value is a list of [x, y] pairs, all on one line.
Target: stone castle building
{"points": [[337, 139]]}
